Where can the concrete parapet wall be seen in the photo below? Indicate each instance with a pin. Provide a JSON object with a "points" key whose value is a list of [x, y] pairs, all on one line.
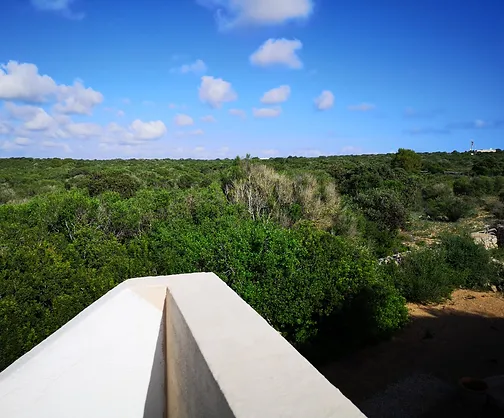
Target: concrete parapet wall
{"points": [[172, 346]]}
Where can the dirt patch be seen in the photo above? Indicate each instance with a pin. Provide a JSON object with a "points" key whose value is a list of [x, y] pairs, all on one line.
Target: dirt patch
{"points": [[462, 337]]}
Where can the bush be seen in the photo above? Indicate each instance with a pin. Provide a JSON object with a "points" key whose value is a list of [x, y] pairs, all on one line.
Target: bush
{"points": [[463, 186], [124, 184], [424, 276], [408, 160], [448, 208], [497, 209], [383, 207], [470, 261]]}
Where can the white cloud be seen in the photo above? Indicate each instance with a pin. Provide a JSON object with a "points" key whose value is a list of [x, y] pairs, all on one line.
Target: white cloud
{"points": [[199, 149], [120, 113], [195, 132], [231, 13], [267, 112], [8, 145], [23, 82], [52, 144], [83, 130], [278, 52], [479, 123], [77, 99], [62, 6], [363, 107], [238, 112], [308, 153], [148, 103], [183, 120], [197, 67], [40, 121], [325, 100], [51, 4], [351, 150], [126, 101], [147, 130], [216, 91], [23, 142], [208, 119], [172, 106], [23, 112], [5, 128], [277, 95], [270, 152]]}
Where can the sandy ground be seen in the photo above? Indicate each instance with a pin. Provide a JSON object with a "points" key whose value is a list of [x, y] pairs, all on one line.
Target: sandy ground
{"points": [[462, 337]]}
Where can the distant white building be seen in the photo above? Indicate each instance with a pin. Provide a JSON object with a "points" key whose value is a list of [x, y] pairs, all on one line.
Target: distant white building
{"points": [[486, 150]]}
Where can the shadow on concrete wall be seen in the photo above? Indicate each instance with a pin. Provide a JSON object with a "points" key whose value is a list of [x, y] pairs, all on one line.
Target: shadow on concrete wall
{"points": [[155, 402]]}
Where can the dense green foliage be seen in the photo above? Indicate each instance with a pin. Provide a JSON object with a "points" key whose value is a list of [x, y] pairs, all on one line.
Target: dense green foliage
{"points": [[297, 238], [431, 274]]}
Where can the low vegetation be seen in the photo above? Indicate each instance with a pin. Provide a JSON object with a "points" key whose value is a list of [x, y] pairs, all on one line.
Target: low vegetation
{"points": [[299, 239]]}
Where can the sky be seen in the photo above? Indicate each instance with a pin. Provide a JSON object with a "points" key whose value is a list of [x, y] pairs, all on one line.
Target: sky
{"points": [[102, 79]]}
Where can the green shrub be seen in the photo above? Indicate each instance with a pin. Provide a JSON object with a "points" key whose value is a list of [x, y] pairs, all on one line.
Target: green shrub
{"points": [[448, 208], [124, 184], [408, 160], [470, 261], [497, 209], [424, 276], [383, 207], [463, 186]]}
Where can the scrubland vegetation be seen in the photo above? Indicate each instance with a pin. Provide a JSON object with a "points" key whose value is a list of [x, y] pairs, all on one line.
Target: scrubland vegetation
{"points": [[299, 239]]}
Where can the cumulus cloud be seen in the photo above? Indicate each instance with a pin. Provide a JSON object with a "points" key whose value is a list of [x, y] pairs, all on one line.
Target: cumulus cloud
{"points": [[183, 120], [267, 112], [62, 6], [197, 67], [40, 121], [83, 130], [195, 132], [23, 142], [363, 107], [52, 144], [238, 112], [351, 150], [23, 112], [277, 95], [145, 131], [208, 119], [216, 91], [5, 128], [278, 52], [325, 100], [270, 152], [24, 83], [232, 13], [77, 99]]}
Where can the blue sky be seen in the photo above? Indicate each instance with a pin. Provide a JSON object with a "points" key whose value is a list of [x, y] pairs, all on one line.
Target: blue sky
{"points": [[220, 78]]}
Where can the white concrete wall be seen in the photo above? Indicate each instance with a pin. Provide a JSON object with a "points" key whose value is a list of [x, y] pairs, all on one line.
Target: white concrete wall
{"points": [[224, 360]]}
